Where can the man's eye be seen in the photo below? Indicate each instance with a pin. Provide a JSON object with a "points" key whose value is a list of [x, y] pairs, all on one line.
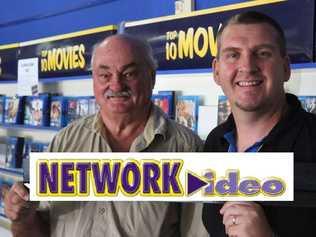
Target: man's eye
{"points": [[231, 56], [104, 76], [264, 54], [130, 75]]}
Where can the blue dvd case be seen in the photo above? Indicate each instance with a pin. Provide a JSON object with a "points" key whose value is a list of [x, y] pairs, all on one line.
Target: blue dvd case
{"points": [[77, 107], [93, 105], [308, 103], [14, 152], [187, 111], [71, 109], [58, 111], [223, 109], [36, 111], [14, 110], [2, 105], [171, 97], [165, 102], [82, 106], [3, 153]]}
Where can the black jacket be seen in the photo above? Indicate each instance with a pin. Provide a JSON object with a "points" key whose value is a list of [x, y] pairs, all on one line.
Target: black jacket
{"points": [[296, 131]]}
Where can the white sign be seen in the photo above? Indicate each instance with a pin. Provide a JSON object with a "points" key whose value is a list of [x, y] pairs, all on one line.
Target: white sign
{"points": [[165, 176], [27, 77]]}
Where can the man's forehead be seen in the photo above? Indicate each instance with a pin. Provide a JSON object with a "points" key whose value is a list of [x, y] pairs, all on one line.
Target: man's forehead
{"points": [[257, 34], [239, 29], [115, 67], [117, 42], [113, 54]]}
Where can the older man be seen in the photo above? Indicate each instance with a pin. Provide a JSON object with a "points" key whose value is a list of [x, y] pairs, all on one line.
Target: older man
{"points": [[251, 67], [123, 79]]}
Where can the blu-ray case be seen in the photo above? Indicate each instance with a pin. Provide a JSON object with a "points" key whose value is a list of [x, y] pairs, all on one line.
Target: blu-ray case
{"points": [[14, 152], [171, 97], [3, 153], [78, 107], [164, 102], [223, 109], [71, 109], [187, 111], [36, 111], [2, 105], [82, 106], [58, 111], [93, 105], [14, 110], [308, 103]]}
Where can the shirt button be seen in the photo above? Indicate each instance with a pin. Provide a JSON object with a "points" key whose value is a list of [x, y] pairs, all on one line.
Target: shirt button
{"points": [[101, 211]]}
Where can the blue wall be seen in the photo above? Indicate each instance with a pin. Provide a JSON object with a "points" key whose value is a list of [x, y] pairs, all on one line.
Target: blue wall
{"points": [[33, 19]]}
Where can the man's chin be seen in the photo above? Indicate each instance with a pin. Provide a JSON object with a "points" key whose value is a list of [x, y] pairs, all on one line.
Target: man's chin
{"points": [[120, 110], [249, 107]]}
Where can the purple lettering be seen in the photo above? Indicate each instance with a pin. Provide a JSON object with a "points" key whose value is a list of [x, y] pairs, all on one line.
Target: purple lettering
{"points": [[272, 187], [48, 179], [249, 187], [106, 177], [209, 190], [67, 177], [228, 186], [126, 185], [151, 176], [83, 173], [169, 178]]}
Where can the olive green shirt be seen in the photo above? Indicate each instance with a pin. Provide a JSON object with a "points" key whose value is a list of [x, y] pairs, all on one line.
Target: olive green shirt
{"points": [[139, 219]]}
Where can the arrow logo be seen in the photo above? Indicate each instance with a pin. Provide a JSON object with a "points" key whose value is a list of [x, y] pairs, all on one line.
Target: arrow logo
{"points": [[194, 182]]}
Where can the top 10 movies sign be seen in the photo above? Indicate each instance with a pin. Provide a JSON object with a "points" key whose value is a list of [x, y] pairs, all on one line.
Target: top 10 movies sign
{"points": [[161, 176]]}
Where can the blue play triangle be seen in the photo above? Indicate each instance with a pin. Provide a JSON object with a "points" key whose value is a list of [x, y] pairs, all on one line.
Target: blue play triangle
{"points": [[194, 183]]}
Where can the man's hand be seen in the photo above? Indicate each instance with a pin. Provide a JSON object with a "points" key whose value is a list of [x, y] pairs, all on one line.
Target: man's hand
{"points": [[16, 205], [245, 219]]}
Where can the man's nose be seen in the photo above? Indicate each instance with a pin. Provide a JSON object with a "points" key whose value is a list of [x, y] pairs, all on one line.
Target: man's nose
{"points": [[116, 83], [248, 64]]}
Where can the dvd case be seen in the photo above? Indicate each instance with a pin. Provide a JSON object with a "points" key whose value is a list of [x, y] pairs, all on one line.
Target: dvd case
{"points": [[58, 108], [308, 103], [171, 98], [93, 105], [71, 109], [82, 106], [2, 105], [164, 102], [36, 111], [14, 110], [223, 109], [3, 154], [14, 152], [78, 107], [187, 111]]}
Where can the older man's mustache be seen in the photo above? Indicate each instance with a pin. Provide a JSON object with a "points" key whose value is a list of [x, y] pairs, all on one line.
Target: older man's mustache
{"points": [[111, 94]]}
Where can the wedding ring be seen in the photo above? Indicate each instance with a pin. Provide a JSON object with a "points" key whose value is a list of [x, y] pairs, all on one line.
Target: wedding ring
{"points": [[234, 220]]}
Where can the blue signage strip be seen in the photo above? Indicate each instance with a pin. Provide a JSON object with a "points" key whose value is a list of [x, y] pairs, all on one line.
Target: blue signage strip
{"points": [[8, 63], [66, 55], [189, 42]]}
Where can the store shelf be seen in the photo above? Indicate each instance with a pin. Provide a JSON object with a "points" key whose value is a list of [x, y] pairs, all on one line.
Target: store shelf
{"points": [[17, 172], [22, 126]]}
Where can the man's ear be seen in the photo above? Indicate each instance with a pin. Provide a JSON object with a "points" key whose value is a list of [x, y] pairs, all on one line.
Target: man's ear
{"points": [[287, 68], [215, 71]]}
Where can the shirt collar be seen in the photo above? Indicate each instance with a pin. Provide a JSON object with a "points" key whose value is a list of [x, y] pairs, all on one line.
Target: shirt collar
{"points": [[231, 139], [156, 125]]}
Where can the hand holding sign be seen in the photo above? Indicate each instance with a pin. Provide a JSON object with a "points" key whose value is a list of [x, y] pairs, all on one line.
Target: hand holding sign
{"points": [[245, 219], [16, 205]]}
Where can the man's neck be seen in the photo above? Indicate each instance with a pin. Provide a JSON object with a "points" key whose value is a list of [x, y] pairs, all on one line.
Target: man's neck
{"points": [[254, 126], [122, 129]]}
